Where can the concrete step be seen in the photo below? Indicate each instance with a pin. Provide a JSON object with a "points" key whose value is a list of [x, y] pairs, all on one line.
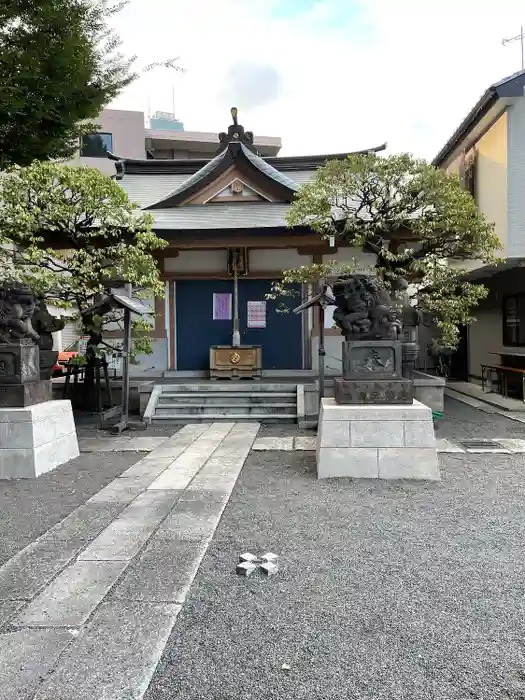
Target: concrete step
{"points": [[227, 409], [226, 399], [218, 418], [228, 385]]}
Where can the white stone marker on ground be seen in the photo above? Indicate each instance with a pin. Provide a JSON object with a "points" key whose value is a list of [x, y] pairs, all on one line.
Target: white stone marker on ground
{"points": [[376, 441], [36, 439]]}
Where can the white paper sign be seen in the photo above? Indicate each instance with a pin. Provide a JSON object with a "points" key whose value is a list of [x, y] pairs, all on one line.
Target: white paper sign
{"points": [[256, 314]]}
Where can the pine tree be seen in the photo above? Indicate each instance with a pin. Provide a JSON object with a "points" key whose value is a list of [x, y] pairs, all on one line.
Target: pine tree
{"points": [[59, 66]]}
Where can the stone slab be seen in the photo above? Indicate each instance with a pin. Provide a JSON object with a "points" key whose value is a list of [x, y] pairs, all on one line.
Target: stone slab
{"points": [[25, 574], [191, 520], [29, 463], [349, 462], [82, 525], [512, 444], [332, 411], [180, 473], [444, 445], [147, 467], [418, 433], [71, 598], [150, 508], [26, 657], [125, 536], [335, 433], [36, 413], [375, 433], [134, 444], [120, 541], [8, 609], [118, 491], [116, 656], [408, 463], [163, 572], [306, 443], [273, 443]]}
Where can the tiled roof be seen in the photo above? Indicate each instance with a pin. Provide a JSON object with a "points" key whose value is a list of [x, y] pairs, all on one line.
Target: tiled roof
{"points": [[242, 215], [147, 189], [268, 169]]}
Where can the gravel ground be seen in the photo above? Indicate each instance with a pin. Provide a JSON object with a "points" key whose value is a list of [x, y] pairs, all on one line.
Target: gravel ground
{"points": [[285, 430], [88, 426], [29, 507], [387, 591], [462, 422]]}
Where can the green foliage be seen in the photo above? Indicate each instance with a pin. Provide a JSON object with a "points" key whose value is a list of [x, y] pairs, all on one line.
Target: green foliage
{"points": [[72, 233], [59, 66], [309, 275], [415, 218]]}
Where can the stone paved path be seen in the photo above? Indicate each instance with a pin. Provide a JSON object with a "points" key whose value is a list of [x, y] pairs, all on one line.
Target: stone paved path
{"points": [[493, 445], [86, 609]]}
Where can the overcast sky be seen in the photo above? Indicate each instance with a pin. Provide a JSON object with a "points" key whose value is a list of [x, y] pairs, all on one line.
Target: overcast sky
{"points": [[324, 75]]}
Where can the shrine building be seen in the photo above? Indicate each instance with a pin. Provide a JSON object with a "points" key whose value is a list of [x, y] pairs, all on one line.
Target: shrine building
{"points": [[220, 213]]}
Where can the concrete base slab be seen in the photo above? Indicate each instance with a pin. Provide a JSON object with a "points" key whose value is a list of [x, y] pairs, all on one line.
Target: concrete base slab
{"points": [[371, 441], [116, 656], [26, 657], [36, 439]]}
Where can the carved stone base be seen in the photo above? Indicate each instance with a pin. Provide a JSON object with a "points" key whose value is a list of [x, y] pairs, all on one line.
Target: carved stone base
{"points": [[376, 442], [22, 395], [36, 439], [370, 392]]}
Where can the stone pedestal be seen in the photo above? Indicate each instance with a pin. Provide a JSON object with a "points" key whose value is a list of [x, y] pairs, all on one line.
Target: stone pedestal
{"points": [[376, 441], [36, 439]]}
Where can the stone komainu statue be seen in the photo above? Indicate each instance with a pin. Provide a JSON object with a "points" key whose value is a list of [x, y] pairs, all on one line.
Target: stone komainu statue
{"points": [[17, 305], [364, 309]]}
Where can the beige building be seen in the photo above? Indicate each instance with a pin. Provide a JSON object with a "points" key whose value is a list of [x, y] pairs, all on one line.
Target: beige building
{"points": [[125, 132], [488, 151]]}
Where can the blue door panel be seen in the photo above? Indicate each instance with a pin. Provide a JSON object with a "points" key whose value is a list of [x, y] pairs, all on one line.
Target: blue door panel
{"points": [[281, 340]]}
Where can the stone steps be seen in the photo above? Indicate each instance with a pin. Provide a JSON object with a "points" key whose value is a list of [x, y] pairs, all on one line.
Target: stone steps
{"points": [[184, 418], [224, 399], [216, 402]]}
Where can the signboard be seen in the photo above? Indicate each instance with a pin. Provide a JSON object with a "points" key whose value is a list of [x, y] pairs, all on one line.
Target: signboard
{"points": [[222, 307], [256, 314]]}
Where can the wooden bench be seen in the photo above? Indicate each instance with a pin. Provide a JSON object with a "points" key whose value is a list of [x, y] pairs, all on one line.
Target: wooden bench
{"points": [[501, 373]]}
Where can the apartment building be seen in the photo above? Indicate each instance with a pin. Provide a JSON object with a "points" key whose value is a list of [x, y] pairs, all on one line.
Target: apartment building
{"points": [[488, 151]]}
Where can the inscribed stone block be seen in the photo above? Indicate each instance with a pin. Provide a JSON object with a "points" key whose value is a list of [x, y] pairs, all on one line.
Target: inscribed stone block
{"points": [[408, 463]]}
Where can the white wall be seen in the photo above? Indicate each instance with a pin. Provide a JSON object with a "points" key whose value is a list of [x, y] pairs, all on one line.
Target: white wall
{"points": [[516, 179], [197, 261], [275, 259]]}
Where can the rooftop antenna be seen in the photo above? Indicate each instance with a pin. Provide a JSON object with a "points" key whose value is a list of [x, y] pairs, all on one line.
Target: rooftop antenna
{"points": [[519, 38], [172, 64]]}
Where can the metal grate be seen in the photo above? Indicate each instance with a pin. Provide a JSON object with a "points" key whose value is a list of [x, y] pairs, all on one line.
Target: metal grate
{"points": [[482, 445]]}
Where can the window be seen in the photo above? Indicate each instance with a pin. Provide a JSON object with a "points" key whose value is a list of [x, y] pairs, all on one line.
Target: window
{"points": [[514, 321], [96, 145], [469, 177]]}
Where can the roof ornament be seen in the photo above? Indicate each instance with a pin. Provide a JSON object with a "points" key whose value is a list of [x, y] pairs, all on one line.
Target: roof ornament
{"points": [[236, 134]]}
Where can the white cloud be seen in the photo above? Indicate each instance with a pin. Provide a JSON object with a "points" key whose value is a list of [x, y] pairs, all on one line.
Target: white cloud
{"points": [[406, 72]]}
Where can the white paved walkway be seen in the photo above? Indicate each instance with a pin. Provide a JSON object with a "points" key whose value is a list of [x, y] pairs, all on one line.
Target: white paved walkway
{"points": [[86, 610], [493, 445]]}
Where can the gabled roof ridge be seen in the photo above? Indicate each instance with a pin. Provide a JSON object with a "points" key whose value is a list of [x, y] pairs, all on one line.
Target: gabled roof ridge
{"points": [[232, 154]]}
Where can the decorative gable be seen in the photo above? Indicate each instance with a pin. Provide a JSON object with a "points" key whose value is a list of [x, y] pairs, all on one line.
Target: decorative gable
{"points": [[238, 190]]}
